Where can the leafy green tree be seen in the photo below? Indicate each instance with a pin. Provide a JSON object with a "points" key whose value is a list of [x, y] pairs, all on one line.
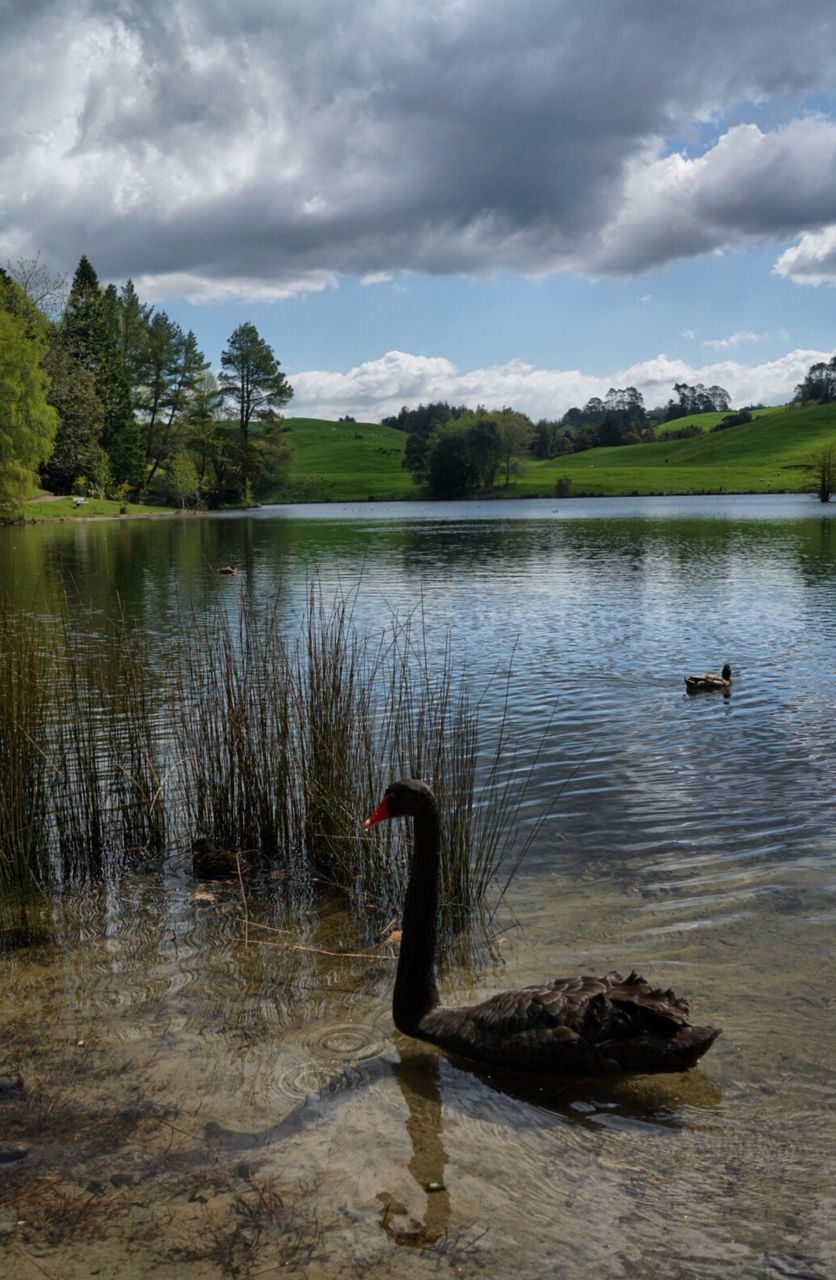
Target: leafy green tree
{"points": [[183, 482], [823, 466], [485, 447], [451, 472], [27, 421], [101, 477], [251, 379], [515, 435], [819, 385]]}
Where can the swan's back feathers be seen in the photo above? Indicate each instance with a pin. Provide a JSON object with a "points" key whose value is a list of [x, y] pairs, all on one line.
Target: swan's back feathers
{"points": [[581, 1025]]}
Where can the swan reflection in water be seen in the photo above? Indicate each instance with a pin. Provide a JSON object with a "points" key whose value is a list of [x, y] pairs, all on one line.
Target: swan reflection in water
{"points": [[669, 1102]]}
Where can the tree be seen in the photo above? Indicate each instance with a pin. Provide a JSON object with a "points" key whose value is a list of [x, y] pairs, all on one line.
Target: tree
{"points": [[174, 371], [80, 419], [47, 291], [183, 481], [697, 399], [823, 465], [485, 448], [91, 329], [515, 434], [451, 473], [819, 386], [27, 421], [251, 379]]}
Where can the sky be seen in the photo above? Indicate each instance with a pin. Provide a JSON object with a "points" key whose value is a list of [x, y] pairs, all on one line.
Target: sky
{"points": [[498, 202]]}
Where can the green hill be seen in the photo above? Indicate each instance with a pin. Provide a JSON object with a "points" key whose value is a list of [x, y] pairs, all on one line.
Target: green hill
{"points": [[705, 421], [345, 461], [354, 461], [766, 455]]}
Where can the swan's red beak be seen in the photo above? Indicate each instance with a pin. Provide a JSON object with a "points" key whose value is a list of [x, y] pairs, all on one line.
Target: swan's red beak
{"points": [[381, 812]]}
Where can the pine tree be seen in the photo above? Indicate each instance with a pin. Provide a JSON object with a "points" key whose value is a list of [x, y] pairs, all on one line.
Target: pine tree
{"points": [[80, 419], [251, 378], [91, 328]]}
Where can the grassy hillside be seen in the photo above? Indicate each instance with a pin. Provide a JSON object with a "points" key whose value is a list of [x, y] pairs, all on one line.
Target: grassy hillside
{"points": [[344, 461], [705, 421], [762, 456]]}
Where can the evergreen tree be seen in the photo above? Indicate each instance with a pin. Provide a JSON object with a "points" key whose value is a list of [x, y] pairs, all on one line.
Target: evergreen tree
{"points": [[91, 327], [251, 379], [80, 419], [176, 367]]}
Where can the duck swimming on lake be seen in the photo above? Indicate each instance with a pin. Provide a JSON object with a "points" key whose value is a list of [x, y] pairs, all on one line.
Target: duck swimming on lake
{"points": [[708, 680], [570, 1026]]}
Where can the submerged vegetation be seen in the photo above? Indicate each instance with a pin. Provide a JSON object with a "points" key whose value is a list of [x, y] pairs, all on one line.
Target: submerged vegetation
{"points": [[269, 743]]}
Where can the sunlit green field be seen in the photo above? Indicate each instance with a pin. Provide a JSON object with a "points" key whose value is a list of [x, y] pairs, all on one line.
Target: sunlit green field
{"points": [[341, 461], [345, 461], [767, 455]]}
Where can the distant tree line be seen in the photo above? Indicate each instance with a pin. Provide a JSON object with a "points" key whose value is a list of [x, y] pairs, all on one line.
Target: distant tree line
{"points": [[110, 397], [454, 451], [819, 386]]}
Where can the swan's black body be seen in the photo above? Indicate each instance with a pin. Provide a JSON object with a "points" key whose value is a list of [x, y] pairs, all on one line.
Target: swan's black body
{"points": [[571, 1026]]}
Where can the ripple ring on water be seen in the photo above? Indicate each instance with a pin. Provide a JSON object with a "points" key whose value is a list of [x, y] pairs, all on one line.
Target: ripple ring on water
{"points": [[350, 1042]]}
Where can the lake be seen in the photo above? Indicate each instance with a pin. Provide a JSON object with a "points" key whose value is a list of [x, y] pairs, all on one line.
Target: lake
{"points": [[199, 1102]]}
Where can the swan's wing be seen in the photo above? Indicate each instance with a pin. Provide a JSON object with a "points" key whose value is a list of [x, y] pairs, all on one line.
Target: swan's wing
{"points": [[594, 1008]]}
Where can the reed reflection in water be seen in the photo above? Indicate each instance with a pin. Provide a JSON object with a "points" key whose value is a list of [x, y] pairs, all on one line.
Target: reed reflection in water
{"points": [[690, 837]]}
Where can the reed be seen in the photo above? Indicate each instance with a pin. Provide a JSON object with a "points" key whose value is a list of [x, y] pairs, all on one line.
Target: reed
{"points": [[271, 743], [24, 862]]}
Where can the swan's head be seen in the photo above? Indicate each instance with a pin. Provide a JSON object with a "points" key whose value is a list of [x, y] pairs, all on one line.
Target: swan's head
{"points": [[726, 672], [400, 799]]}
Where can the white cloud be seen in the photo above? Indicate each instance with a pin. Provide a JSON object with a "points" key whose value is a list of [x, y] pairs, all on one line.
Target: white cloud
{"points": [[207, 289], [378, 388], [812, 260], [735, 339]]}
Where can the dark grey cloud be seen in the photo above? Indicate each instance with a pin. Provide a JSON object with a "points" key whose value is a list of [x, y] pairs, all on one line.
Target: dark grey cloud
{"points": [[271, 146]]}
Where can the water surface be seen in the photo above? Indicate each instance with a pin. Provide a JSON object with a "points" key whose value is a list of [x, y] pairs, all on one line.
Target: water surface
{"points": [[197, 1102]]}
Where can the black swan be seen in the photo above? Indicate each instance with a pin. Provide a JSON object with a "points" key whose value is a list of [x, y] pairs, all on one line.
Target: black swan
{"points": [[709, 680], [571, 1026]]}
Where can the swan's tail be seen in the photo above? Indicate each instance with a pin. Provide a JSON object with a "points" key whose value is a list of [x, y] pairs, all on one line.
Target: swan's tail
{"points": [[653, 1053]]}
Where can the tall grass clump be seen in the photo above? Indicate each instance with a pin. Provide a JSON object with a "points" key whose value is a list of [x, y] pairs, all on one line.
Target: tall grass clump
{"points": [[233, 735], [272, 739], [24, 860]]}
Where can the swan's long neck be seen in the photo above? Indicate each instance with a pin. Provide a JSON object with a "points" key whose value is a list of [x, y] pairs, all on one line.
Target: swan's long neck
{"points": [[415, 987]]}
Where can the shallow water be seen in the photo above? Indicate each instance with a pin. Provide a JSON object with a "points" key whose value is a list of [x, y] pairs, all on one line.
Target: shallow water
{"points": [[204, 1096]]}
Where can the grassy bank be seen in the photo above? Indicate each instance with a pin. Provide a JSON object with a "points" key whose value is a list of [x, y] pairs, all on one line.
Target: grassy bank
{"points": [[65, 508]]}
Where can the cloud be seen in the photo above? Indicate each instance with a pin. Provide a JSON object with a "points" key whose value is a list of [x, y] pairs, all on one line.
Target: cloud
{"points": [[812, 260], [268, 147], [742, 335], [378, 388]]}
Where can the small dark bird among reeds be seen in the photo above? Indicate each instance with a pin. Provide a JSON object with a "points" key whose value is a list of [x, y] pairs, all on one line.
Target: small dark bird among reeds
{"points": [[210, 861]]}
